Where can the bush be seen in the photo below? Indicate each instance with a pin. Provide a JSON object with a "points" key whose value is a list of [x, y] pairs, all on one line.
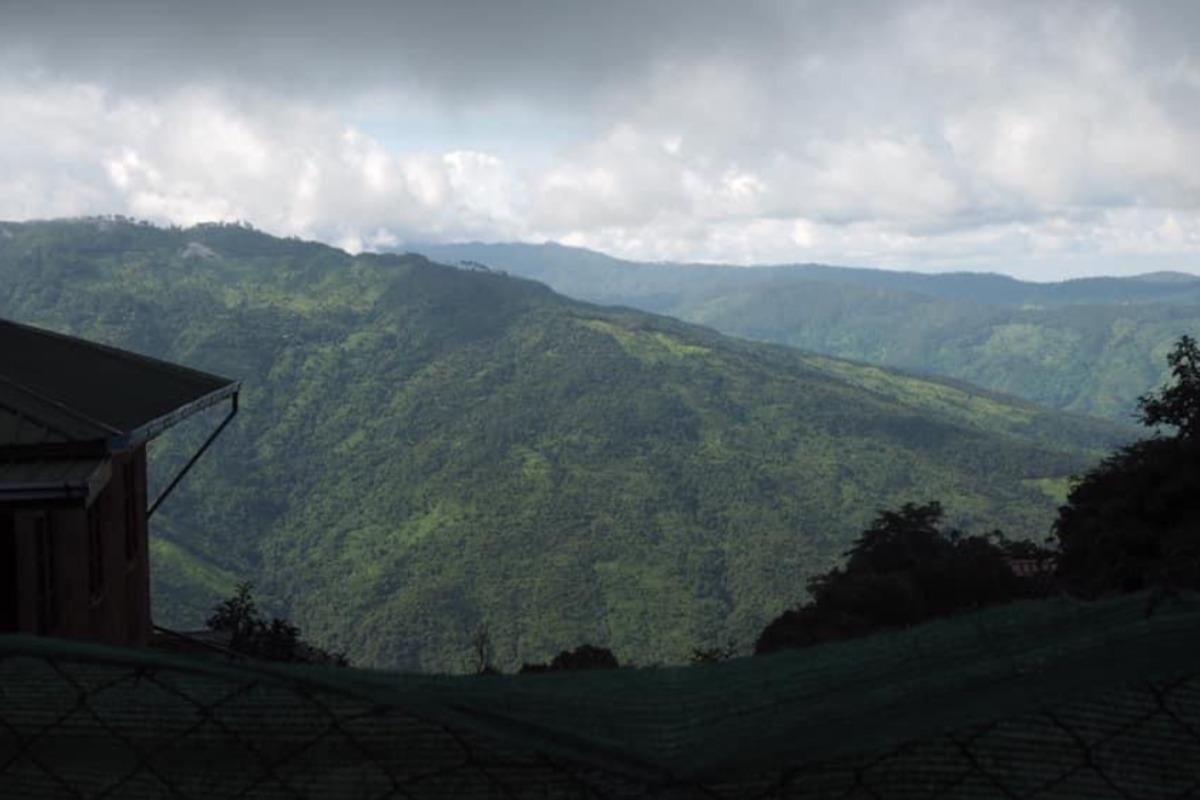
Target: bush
{"points": [[254, 636], [585, 656], [905, 569], [1134, 522]]}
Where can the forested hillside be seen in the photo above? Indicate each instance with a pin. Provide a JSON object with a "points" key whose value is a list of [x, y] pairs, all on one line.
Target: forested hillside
{"points": [[1090, 345], [424, 449]]}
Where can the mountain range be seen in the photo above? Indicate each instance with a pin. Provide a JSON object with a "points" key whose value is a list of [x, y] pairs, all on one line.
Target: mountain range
{"points": [[1091, 345], [425, 449]]}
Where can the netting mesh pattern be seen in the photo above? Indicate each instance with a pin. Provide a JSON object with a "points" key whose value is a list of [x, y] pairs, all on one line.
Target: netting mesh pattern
{"points": [[1049, 700]]}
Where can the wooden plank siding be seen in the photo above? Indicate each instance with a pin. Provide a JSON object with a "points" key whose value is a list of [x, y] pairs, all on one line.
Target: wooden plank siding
{"points": [[81, 572]]}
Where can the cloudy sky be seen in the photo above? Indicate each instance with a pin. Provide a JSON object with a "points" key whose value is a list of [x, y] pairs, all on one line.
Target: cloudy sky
{"points": [[1045, 139]]}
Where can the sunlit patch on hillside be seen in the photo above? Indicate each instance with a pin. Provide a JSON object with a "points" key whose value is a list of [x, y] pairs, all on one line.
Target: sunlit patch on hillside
{"points": [[646, 346]]}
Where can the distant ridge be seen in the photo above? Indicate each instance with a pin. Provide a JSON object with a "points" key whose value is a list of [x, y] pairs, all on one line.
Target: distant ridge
{"points": [[1166, 277], [575, 270], [1089, 344]]}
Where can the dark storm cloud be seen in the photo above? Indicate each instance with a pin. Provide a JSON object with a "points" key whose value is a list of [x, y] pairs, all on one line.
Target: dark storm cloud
{"points": [[459, 47]]}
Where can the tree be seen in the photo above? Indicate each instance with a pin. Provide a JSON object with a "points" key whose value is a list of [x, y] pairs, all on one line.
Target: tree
{"points": [[481, 647], [585, 656], [904, 569], [238, 615], [251, 634], [1133, 522], [1177, 405], [900, 540], [713, 655]]}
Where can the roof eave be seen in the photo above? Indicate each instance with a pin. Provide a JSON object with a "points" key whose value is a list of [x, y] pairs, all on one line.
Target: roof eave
{"points": [[153, 428]]}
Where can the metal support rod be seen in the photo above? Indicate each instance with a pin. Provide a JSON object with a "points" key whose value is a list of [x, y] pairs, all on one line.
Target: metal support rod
{"points": [[212, 437]]}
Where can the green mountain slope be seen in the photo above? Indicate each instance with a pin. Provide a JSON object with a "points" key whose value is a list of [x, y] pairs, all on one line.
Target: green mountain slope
{"points": [[423, 449], [1090, 359], [1091, 345]]}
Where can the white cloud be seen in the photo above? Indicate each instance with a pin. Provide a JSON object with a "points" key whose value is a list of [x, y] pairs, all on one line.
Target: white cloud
{"points": [[199, 155], [1030, 138]]}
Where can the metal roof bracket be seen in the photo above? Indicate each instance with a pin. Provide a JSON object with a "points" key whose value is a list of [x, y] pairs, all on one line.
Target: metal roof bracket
{"points": [[212, 437]]}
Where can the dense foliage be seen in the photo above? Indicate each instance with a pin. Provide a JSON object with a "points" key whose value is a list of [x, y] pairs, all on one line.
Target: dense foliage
{"points": [[252, 634], [1091, 345], [586, 656], [906, 568], [1131, 523], [1134, 521], [423, 450], [1178, 405]]}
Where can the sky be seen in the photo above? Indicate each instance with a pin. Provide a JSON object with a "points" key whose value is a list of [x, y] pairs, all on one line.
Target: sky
{"points": [[1040, 139]]}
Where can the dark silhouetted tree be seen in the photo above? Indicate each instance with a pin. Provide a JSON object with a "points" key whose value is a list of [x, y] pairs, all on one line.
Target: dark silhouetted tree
{"points": [[585, 656], [1177, 405], [1134, 521], [904, 569], [713, 655], [251, 634], [237, 615], [481, 647]]}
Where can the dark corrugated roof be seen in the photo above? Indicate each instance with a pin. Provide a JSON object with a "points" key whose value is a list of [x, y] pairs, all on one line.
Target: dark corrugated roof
{"points": [[16, 428], [24, 420], [56, 388]]}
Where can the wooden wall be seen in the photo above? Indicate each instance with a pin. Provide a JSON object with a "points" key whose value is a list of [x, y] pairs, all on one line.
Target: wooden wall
{"points": [[67, 587]]}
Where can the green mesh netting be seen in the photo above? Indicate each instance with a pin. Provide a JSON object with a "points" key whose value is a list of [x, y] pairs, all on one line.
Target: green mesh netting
{"points": [[1050, 699]]}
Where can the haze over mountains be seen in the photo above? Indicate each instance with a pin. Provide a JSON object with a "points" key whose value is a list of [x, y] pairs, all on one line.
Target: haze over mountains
{"points": [[424, 449], [1091, 345]]}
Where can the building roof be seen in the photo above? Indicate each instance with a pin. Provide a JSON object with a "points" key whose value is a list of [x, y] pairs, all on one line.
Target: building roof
{"points": [[60, 390]]}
